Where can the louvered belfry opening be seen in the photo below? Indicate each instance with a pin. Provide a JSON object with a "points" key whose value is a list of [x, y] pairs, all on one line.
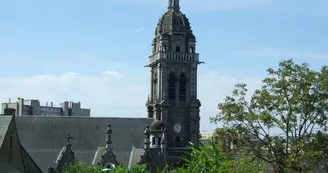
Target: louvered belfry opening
{"points": [[172, 87], [182, 88]]}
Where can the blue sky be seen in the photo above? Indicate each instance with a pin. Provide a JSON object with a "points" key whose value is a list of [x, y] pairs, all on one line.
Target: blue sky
{"points": [[95, 51]]}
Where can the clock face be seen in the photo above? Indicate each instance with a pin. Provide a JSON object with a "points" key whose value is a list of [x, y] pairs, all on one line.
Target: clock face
{"points": [[177, 128]]}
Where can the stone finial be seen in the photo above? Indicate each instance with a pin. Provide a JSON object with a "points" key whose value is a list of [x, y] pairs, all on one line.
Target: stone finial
{"points": [[147, 134], [109, 137], [68, 138], [174, 5], [164, 98], [51, 170]]}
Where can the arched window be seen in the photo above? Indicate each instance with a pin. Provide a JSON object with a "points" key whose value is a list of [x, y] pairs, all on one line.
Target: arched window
{"points": [[182, 87], [172, 87], [177, 49], [153, 141]]}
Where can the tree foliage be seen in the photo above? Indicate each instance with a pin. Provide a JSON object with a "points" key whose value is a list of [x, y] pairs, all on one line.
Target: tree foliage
{"points": [[80, 167], [224, 138], [249, 165], [283, 115], [206, 159]]}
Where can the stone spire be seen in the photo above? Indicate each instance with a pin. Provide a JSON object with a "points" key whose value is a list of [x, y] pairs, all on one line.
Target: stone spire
{"points": [[174, 5], [109, 137], [147, 140], [106, 157], [68, 138]]}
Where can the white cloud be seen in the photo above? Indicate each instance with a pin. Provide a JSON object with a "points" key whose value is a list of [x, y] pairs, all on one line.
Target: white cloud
{"points": [[109, 95], [113, 74], [137, 30]]}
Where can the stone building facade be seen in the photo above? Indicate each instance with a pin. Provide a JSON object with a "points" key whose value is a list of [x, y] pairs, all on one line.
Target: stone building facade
{"points": [[25, 107]]}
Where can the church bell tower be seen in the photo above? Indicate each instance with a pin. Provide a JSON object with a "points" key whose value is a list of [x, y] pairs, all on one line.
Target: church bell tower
{"points": [[173, 82]]}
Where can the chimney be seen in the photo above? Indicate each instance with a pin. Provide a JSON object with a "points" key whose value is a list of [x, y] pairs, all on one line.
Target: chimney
{"points": [[9, 100], [47, 104], [51, 104]]}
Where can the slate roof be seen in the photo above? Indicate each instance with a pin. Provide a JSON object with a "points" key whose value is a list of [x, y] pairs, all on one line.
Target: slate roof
{"points": [[29, 163], [43, 137], [97, 157], [135, 155], [6, 168], [104, 157], [174, 21], [4, 125]]}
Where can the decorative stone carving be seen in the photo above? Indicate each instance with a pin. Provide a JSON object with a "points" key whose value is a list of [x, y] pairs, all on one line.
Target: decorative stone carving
{"points": [[108, 158]]}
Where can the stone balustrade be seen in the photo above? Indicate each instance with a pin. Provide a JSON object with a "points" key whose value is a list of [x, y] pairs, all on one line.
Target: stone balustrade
{"points": [[192, 57]]}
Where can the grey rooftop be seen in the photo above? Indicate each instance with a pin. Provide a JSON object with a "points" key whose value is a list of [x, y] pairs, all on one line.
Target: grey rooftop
{"points": [[44, 137]]}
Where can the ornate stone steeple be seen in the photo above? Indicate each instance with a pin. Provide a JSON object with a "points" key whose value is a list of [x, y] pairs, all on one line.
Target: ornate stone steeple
{"points": [[68, 138], [109, 138], [108, 158], [174, 5], [173, 101]]}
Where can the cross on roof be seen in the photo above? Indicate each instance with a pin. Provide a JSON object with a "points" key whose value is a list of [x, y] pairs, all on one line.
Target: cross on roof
{"points": [[68, 138]]}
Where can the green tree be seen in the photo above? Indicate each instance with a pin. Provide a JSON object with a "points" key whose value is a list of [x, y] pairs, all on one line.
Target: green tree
{"points": [[318, 147], [224, 137], [291, 106], [80, 167], [206, 159], [249, 165]]}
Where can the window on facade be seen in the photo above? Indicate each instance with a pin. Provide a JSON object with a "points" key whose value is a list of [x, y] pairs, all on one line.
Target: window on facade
{"points": [[164, 48], [182, 87], [150, 112], [177, 49], [177, 139], [171, 87], [191, 50], [153, 141], [159, 140]]}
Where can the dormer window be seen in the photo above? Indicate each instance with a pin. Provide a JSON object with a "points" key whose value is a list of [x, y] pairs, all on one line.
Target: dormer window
{"points": [[177, 49]]}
